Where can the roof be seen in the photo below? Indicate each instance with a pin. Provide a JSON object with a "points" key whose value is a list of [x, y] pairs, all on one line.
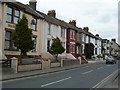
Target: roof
{"points": [[98, 37], [25, 8], [104, 40], [53, 20]]}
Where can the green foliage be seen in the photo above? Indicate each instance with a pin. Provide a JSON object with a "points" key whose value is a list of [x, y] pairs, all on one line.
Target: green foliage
{"points": [[56, 47], [22, 37], [89, 50]]}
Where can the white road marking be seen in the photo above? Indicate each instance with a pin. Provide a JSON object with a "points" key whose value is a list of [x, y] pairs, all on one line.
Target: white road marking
{"points": [[100, 68], [108, 65], [86, 66], [55, 82], [87, 72]]}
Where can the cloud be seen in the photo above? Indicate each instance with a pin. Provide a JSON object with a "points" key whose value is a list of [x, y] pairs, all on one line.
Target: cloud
{"points": [[99, 15]]}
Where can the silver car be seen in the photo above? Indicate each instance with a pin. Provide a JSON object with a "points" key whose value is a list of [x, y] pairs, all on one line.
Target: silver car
{"points": [[110, 60]]}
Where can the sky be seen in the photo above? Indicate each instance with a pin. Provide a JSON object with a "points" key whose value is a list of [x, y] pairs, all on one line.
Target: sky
{"points": [[101, 16]]}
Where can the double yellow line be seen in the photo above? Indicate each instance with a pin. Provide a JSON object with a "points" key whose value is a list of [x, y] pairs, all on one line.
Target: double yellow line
{"points": [[104, 80]]}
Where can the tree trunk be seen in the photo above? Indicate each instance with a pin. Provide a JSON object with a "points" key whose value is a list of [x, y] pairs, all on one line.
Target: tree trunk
{"points": [[57, 57], [23, 54]]}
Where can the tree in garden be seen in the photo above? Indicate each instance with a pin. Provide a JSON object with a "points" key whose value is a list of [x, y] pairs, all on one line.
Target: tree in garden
{"points": [[56, 47], [89, 50], [22, 36]]}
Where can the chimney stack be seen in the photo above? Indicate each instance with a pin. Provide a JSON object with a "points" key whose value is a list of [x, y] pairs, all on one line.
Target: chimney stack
{"points": [[114, 40], [97, 35], [32, 4], [86, 29], [73, 22], [52, 13]]}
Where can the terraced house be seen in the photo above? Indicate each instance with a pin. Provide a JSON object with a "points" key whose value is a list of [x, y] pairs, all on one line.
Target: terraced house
{"points": [[53, 28], [45, 28], [11, 12]]}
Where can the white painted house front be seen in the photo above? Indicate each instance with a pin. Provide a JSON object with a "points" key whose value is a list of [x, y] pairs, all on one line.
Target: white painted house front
{"points": [[51, 30]]}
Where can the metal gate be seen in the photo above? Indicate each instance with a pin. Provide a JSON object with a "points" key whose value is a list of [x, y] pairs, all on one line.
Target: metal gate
{"points": [[6, 62]]}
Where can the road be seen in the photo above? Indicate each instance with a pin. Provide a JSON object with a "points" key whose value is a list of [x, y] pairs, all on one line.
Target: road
{"points": [[84, 77]]}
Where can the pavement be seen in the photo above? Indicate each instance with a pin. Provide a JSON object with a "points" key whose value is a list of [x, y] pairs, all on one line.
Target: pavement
{"points": [[7, 75]]}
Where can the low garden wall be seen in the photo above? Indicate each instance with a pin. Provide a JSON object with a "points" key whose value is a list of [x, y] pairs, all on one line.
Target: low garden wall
{"points": [[29, 67], [53, 65], [40, 64], [70, 62]]}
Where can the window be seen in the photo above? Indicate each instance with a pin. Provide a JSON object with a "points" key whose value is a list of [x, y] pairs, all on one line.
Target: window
{"points": [[77, 49], [13, 15], [16, 16], [34, 23], [49, 29], [95, 50], [34, 47], [72, 48], [62, 32], [89, 39], [48, 45], [9, 14], [95, 42], [72, 34], [83, 37], [7, 40], [63, 44]]}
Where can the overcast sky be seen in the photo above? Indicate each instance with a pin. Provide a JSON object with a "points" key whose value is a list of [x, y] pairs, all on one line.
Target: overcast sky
{"points": [[101, 16]]}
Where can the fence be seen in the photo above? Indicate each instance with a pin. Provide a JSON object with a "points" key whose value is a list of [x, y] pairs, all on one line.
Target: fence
{"points": [[6, 63]]}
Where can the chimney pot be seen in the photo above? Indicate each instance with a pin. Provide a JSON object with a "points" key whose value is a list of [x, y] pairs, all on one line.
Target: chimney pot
{"points": [[97, 35], [52, 13], [114, 40], [72, 22], [86, 29]]}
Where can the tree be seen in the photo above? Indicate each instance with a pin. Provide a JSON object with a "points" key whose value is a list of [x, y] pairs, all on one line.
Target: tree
{"points": [[22, 36], [56, 47], [89, 50]]}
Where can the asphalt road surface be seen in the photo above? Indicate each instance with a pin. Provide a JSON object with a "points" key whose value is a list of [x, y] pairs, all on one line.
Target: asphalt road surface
{"points": [[83, 77]]}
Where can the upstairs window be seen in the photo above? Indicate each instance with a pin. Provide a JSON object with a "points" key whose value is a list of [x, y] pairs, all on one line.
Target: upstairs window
{"points": [[72, 34], [34, 23], [16, 16], [62, 32], [13, 15], [49, 29], [83, 37], [9, 14]]}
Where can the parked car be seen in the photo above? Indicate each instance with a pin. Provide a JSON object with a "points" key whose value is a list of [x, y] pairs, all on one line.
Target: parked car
{"points": [[110, 60]]}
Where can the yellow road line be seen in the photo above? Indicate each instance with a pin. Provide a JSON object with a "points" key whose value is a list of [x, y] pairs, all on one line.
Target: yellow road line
{"points": [[104, 80]]}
